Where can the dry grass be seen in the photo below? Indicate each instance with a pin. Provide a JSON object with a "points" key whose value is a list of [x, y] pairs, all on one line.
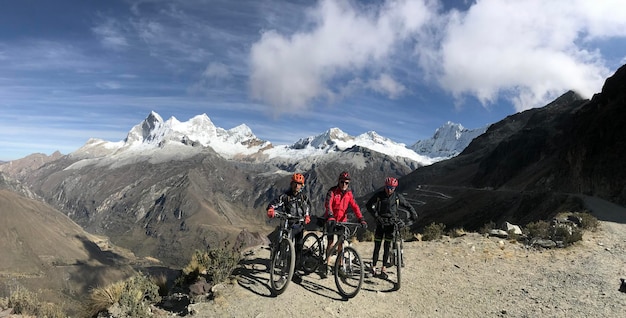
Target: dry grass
{"points": [[457, 232], [133, 296], [101, 298]]}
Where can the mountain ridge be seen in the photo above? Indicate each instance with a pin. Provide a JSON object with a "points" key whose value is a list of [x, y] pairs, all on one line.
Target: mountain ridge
{"points": [[240, 143]]}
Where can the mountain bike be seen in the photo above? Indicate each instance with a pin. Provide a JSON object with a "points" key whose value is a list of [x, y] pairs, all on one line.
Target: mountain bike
{"points": [[397, 249], [283, 253], [348, 270]]}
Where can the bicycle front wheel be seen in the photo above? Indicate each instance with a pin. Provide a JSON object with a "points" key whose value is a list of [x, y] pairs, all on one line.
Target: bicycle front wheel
{"points": [[282, 266], [399, 263], [312, 254], [349, 272]]}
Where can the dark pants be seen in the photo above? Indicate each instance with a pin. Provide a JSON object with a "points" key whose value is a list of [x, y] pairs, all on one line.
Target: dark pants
{"points": [[298, 238], [383, 233]]}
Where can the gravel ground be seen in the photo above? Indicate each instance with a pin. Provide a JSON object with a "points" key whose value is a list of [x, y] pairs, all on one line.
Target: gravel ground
{"points": [[469, 276]]}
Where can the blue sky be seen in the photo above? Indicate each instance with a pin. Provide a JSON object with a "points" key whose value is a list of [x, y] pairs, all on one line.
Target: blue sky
{"points": [[71, 70]]}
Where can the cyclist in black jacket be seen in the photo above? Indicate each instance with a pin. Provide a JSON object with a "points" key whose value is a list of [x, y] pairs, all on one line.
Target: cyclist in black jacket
{"points": [[295, 202], [383, 205]]}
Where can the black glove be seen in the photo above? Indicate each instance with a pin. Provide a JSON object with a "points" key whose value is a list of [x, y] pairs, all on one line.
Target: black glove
{"points": [[363, 223]]}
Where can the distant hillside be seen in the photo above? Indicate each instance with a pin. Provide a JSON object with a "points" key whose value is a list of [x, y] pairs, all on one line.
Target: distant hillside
{"points": [[22, 167], [45, 251]]}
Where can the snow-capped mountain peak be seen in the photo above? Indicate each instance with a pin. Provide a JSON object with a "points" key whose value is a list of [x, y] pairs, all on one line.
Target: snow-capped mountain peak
{"points": [[157, 140], [448, 141], [153, 133], [335, 139], [324, 141]]}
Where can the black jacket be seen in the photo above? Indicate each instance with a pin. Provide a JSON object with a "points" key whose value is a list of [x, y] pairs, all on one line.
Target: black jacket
{"points": [[295, 204], [385, 208]]}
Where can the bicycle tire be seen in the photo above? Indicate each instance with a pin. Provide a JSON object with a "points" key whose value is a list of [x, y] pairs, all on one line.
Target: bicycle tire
{"points": [[312, 253], [282, 266], [349, 273], [399, 260]]}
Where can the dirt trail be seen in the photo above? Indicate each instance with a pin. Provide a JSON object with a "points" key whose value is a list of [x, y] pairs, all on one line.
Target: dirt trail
{"points": [[470, 276]]}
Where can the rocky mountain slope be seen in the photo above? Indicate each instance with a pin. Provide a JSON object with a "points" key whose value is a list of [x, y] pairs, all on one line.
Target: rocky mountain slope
{"points": [[531, 165], [170, 187]]}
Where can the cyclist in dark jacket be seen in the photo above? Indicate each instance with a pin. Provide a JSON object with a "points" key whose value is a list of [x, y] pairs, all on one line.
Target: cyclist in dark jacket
{"points": [[295, 202], [383, 205]]}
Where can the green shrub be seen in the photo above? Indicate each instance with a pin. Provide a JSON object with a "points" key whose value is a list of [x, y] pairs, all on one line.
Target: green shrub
{"points": [[368, 236], [27, 303], [139, 293], [406, 234], [217, 264], [487, 227], [588, 221], [539, 229], [433, 231], [563, 233]]}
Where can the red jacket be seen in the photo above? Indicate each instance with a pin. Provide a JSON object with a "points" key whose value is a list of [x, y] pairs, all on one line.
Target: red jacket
{"points": [[337, 202]]}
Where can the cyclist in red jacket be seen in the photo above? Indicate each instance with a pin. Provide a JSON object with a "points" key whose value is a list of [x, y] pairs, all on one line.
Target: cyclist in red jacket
{"points": [[338, 199]]}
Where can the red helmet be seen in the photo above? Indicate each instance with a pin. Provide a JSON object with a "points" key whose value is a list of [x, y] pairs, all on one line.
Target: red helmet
{"points": [[344, 176], [391, 182], [297, 178]]}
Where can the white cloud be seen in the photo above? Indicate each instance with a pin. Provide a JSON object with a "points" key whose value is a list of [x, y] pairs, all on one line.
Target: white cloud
{"points": [[290, 72], [529, 51], [109, 85], [111, 35], [526, 52], [216, 71], [385, 84]]}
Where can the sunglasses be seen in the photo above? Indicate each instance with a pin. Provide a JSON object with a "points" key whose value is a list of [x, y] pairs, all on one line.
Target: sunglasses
{"points": [[390, 188], [345, 182]]}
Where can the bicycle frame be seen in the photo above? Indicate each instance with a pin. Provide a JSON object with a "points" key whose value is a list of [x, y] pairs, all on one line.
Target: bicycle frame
{"points": [[283, 255], [397, 256], [285, 231], [342, 236], [348, 267]]}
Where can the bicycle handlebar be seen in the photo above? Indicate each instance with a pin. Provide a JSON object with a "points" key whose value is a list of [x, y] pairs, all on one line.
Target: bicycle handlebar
{"points": [[284, 215], [348, 224], [347, 228], [401, 223]]}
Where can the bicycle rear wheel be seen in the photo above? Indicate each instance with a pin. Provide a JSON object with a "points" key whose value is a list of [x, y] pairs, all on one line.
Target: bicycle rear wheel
{"points": [[312, 253], [349, 272], [282, 266]]}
